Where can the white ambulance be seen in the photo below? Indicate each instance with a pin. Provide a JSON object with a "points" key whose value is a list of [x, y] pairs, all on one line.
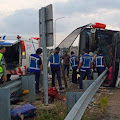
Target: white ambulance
{"points": [[18, 50]]}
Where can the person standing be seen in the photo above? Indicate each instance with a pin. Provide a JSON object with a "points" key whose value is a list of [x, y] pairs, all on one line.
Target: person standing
{"points": [[3, 75], [55, 67], [74, 64], [66, 62], [85, 66], [100, 62], [36, 67]]}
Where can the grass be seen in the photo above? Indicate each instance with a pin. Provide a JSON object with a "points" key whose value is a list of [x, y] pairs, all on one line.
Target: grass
{"points": [[57, 113], [84, 117], [103, 103]]}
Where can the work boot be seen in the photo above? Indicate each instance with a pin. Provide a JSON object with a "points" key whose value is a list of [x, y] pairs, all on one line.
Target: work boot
{"points": [[61, 88], [38, 91]]}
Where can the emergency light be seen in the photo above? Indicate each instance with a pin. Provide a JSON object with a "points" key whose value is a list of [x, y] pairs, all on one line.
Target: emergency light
{"points": [[35, 38], [23, 50], [18, 37], [99, 25]]}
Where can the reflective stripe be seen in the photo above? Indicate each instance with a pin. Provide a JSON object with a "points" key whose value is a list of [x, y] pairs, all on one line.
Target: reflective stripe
{"points": [[55, 63], [82, 70], [74, 65], [1, 69], [34, 62], [88, 60], [11, 72], [25, 70], [101, 64], [34, 68], [54, 60], [20, 71], [15, 71], [73, 61]]}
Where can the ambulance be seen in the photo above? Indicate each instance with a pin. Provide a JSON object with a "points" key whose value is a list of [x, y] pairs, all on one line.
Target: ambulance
{"points": [[18, 50]]}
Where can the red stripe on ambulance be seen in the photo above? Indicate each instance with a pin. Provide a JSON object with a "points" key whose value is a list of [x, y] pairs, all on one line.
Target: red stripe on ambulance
{"points": [[25, 69], [15, 72], [11, 72], [20, 71]]}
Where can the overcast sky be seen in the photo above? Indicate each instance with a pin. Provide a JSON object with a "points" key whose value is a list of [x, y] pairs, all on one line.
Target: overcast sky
{"points": [[21, 16]]}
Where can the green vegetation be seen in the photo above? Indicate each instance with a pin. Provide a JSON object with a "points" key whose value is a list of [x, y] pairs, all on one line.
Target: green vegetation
{"points": [[84, 117], [57, 113], [103, 103]]}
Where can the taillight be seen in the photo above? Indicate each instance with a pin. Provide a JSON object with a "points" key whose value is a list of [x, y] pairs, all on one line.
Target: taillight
{"points": [[23, 50]]}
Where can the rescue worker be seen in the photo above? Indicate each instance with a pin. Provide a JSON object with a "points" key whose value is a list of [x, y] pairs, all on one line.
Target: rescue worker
{"points": [[74, 64], [85, 66], [55, 67], [3, 75], [36, 67], [100, 62]]}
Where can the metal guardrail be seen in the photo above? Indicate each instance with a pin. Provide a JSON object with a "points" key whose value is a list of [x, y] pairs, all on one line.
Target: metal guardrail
{"points": [[79, 108], [12, 86]]}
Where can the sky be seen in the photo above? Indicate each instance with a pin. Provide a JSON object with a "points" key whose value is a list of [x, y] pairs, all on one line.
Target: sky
{"points": [[22, 17]]}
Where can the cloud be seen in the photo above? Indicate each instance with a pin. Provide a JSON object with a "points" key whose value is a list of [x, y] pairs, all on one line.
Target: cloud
{"points": [[85, 6], [22, 22], [24, 17]]}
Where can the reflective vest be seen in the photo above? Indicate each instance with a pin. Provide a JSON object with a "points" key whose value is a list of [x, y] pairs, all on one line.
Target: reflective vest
{"points": [[73, 62], [55, 60], [1, 69], [99, 61], [86, 62], [34, 63]]}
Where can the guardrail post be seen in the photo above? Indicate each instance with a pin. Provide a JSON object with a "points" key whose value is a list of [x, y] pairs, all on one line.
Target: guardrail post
{"points": [[87, 83], [72, 98], [25, 82], [5, 104], [31, 86], [28, 82], [95, 75]]}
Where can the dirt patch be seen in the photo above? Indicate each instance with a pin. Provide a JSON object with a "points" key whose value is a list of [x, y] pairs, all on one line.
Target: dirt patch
{"points": [[112, 111], [97, 106]]}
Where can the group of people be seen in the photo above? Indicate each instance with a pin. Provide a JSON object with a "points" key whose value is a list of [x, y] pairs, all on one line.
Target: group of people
{"points": [[87, 65], [83, 65]]}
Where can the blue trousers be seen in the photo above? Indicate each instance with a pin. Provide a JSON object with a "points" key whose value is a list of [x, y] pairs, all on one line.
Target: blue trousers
{"points": [[82, 77]]}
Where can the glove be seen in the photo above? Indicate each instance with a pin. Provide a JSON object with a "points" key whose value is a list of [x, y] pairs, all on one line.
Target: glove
{"points": [[106, 68], [92, 70], [77, 70], [95, 70]]}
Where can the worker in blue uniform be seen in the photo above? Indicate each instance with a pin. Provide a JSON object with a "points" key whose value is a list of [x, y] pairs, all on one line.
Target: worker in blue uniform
{"points": [[55, 67], [36, 67], [85, 66], [100, 62], [74, 64]]}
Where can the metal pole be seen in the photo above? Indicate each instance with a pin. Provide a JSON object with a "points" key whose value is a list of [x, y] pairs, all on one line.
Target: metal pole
{"points": [[55, 35], [55, 28], [45, 73]]}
